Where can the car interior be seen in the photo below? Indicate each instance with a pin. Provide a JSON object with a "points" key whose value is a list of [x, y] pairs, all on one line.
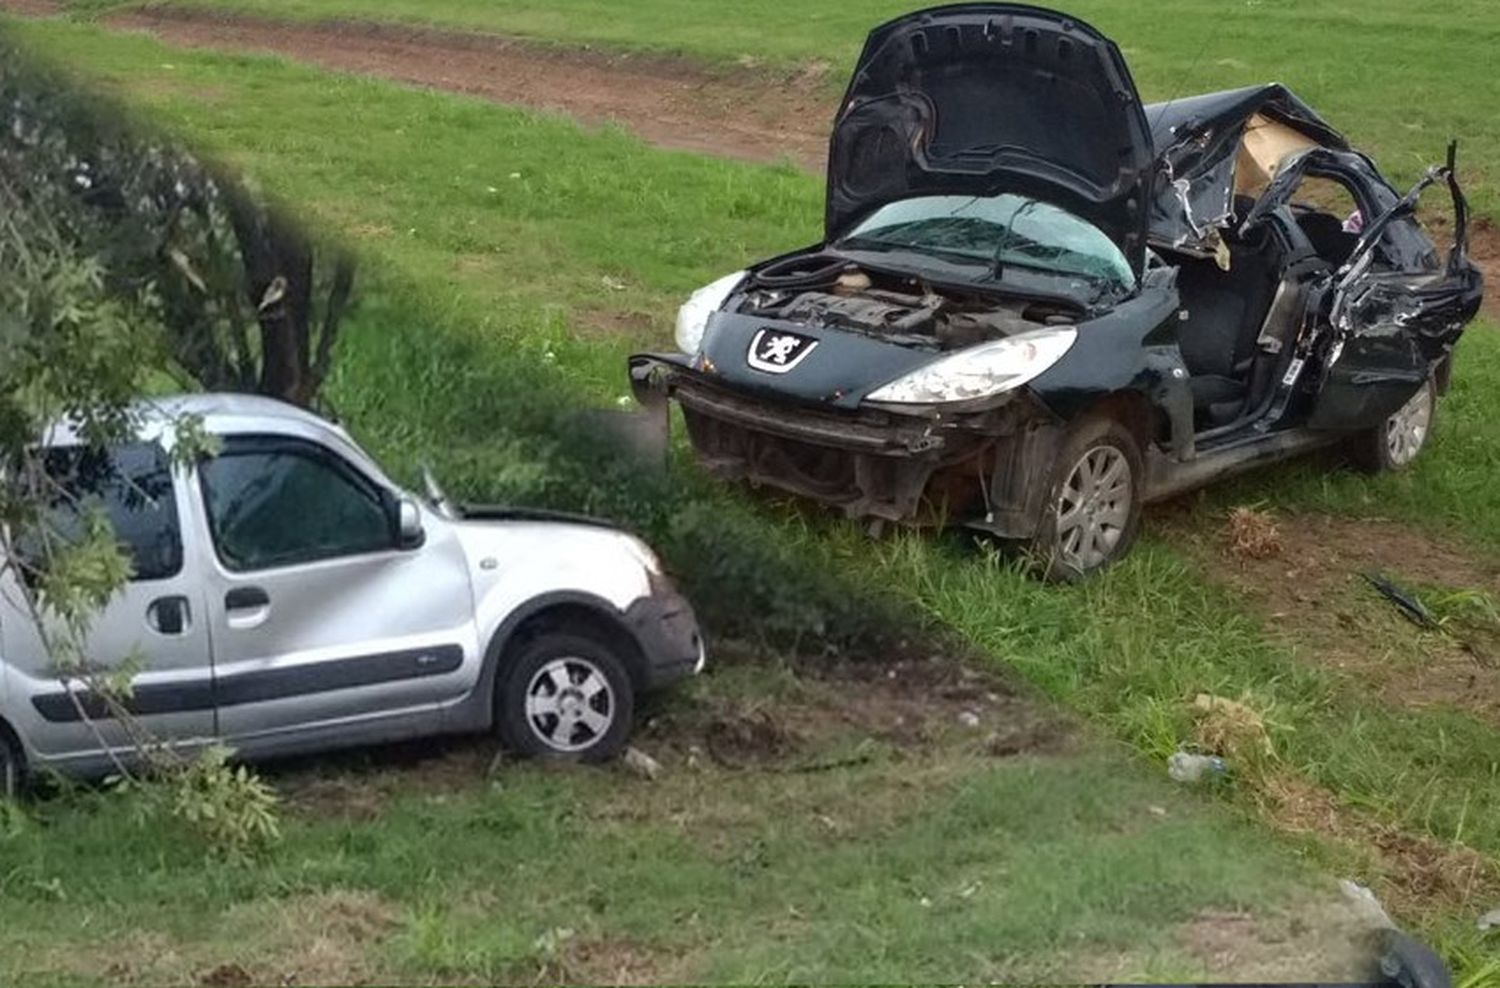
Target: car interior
{"points": [[1239, 323]]}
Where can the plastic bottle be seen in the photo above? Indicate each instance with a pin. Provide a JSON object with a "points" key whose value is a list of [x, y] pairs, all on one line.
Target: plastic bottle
{"points": [[1185, 766]]}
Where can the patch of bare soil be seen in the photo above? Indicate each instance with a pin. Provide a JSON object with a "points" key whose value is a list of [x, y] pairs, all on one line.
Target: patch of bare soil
{"points": [[908, 705], [313, 938], [613, 962], [357, 785], [674, 103], [1327, 940], [31, 8], [1306, 578], [1411, 874], [1484, 248], [822, 719]]}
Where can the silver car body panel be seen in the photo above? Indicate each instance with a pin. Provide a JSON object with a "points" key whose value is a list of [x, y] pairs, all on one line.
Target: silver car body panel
{"points": [[356, 649]]}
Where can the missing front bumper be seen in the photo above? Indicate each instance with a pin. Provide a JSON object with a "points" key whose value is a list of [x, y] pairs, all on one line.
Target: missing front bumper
{"points": [[978, 469]]}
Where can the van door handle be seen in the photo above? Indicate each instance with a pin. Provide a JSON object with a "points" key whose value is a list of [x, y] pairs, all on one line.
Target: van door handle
{"points": [[246, 607], [169, 615], [246, 598]]}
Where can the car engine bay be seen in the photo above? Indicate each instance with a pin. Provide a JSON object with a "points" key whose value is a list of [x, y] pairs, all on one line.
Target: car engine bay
{"points": [[836, 294]]}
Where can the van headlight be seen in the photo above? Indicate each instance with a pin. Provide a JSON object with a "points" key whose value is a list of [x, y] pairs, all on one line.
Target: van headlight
{"points": [[692, 318], [980, 371]]}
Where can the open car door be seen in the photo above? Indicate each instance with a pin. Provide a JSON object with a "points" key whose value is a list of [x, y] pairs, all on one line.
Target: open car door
{"points": [[1397, 309]]}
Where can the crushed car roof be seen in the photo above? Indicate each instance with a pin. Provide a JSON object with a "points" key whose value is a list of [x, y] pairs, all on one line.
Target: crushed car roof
{"points": [[1213, 146]]}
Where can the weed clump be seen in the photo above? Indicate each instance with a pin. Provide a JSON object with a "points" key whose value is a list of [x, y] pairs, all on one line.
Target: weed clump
{"points": [[1252, 534]]}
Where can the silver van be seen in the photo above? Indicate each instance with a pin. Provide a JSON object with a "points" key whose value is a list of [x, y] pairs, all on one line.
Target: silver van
{"points": [[288, 597]]}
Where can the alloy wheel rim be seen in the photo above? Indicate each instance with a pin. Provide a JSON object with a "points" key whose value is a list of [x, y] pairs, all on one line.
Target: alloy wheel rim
{"points": [[1406, 430], [569, 704], [1093, 507]]}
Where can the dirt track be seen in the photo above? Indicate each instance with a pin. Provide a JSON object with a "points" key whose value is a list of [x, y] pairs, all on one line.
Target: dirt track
{"points": [[733, 113]]}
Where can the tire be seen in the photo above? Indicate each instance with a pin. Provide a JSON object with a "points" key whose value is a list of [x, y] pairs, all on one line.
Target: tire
{"points": [[1396, 442], [12, 768], [1100, 470], [565, 697]]}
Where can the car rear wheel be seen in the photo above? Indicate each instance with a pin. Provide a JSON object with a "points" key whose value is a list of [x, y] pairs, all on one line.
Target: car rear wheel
{"points": [[1394, 444], [567, 697], [1093, 502]]}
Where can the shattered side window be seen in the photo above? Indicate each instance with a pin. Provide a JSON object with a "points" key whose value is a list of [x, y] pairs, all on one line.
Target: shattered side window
{"points": [[1329, 215]]}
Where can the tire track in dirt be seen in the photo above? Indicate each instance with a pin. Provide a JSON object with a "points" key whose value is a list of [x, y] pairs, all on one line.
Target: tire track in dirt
{"points": [[745, 114]]}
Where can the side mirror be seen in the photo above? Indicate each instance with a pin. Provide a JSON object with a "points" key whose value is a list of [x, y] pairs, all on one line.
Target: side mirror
{"points": [[409, 533]]}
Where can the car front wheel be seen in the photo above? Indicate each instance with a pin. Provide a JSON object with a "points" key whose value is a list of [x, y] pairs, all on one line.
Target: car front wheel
{"points": [[566, 696], [1395, 443], [1093, 503]]}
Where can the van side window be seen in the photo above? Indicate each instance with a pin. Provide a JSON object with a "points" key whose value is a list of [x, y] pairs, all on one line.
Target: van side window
{"points": [[132, 485], [276, 502]]}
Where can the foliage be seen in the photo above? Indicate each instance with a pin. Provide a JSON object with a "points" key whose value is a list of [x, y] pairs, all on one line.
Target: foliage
{"points": [[247, 300], [72, 350], [81, 336], [227, 804]]}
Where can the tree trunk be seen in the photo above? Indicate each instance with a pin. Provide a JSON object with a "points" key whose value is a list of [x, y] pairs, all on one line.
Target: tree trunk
{"points": [[278, 274]]}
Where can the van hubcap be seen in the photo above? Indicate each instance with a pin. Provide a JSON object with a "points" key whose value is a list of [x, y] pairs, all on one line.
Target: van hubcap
{"points": [[1406, 430], [1094, 507], [569, 704]]}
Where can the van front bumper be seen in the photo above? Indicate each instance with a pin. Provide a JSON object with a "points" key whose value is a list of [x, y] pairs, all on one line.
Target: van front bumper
{"points": [[667, 631]]}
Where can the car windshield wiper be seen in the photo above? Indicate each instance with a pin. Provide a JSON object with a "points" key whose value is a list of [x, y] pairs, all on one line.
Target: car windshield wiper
{"points": [[872, 244]]}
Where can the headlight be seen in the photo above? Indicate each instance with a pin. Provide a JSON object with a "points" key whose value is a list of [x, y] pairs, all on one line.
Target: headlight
{"points": [[980, 371], [692, 318]]}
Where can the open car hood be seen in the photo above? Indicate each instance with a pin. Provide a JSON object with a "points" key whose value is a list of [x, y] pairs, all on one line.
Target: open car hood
{"points": [[1213, 147], [982, 98]]}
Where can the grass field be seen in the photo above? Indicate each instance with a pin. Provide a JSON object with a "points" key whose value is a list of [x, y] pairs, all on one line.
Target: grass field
{"points": [[512, 260], [1400, 78]]}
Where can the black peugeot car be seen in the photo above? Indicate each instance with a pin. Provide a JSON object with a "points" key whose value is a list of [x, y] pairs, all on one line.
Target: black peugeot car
{"points": [[1040, 304]]}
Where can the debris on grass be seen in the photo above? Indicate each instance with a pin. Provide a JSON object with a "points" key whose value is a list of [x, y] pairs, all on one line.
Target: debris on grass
{"points": [[739, 740], [1185, 766], [1230, 728], [1252, 533], [640, 764], [1406, 602], [1489, 921], [1366, 903]]}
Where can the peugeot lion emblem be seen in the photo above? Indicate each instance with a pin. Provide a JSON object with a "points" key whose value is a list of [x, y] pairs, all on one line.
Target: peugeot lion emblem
{"points": [[777, 352]]}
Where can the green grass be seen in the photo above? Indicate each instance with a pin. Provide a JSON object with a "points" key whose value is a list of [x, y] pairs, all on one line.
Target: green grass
{"points": [[1399, 78], [476, 324], [1030, 868]]}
